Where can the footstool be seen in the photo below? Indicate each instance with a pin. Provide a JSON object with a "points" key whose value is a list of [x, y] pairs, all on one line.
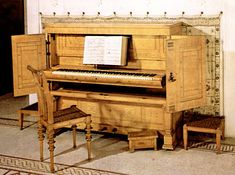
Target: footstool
{"points": [[214, 125], [142, 139]]}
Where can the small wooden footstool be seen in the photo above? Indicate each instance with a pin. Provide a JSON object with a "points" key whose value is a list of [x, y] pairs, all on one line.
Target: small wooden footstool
{"points": [[142, 139], [214, 125], [31, 110]]}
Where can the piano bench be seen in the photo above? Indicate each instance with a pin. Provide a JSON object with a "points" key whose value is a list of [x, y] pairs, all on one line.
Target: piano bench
{"points": [[142, 139], [31, 110]]}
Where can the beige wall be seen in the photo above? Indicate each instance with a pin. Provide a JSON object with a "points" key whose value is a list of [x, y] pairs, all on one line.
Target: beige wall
{"points": [[229, 67], [139, 8]]}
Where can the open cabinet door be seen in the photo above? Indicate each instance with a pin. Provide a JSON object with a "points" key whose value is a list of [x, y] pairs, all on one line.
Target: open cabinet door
{"points": [[27, 50], [185, 73]]}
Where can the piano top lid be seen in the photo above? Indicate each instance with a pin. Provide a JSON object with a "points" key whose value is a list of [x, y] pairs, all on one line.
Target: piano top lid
{"points": [[109, 26]]}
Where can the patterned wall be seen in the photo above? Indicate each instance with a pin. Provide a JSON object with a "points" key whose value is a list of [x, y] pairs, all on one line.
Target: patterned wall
{"points": [[193, 25], [211, 28]]}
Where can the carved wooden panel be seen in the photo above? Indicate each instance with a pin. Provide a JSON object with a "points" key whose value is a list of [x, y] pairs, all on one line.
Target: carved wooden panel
{"points": [[186, 73], [70, 45], [118, 114], [147, 52], [148, 47], [191, 81], [69, 49], [27, 50]]}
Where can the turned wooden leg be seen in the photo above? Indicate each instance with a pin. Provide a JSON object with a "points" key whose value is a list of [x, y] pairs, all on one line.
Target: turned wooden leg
{"points": [[88, 135], [218, 140], [74, 127], [185, 136], [50, 135], [40, 138], [21, 119]]}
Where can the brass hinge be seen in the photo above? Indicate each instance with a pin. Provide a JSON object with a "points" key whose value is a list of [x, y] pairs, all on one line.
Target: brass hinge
{"points": [[48, 52]]}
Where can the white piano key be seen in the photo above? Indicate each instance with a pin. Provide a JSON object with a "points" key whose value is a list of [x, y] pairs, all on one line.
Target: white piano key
{"points": [[103, 74]]}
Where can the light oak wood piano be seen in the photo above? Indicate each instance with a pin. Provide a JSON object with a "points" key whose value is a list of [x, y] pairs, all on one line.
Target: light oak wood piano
{"points": [[164, 74]]}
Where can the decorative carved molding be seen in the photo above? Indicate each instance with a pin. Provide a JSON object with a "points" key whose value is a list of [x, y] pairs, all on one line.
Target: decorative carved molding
{"points": [[190, 20]]}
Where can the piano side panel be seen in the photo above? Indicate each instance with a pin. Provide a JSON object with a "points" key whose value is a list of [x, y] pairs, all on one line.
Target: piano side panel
{"points": [[27, 49], [187, 64]]}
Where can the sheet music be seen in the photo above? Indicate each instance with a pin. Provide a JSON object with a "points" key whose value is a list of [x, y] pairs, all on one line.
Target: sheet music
{"points": [[108, 50]]}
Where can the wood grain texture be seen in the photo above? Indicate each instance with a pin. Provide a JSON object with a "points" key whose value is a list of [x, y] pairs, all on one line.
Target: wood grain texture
{"points": [[152, 48]]}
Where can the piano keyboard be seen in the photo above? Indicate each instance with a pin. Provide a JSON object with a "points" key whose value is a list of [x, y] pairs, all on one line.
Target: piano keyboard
{"points": [[106, 74]]}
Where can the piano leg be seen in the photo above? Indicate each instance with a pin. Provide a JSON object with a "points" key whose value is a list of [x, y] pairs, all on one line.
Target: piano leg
{"points": [[172, 121], [169, 140]]}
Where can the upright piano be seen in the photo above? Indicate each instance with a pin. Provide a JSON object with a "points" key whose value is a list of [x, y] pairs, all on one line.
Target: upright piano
{"points": [[164, 74]]}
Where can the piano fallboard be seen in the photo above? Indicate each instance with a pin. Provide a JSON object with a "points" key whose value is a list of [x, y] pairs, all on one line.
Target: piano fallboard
{"points": [[109, 77]]}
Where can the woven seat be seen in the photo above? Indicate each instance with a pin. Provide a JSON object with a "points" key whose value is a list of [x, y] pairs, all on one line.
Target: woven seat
{"points": [[68, 114], [52, 119], [214, 125]]}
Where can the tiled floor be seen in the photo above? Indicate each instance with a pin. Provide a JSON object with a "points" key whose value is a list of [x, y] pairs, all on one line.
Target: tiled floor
{"points": [[110, 152]]}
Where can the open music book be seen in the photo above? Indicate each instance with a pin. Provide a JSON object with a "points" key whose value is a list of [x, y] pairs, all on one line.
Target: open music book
{"points": [[106, 50]]}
